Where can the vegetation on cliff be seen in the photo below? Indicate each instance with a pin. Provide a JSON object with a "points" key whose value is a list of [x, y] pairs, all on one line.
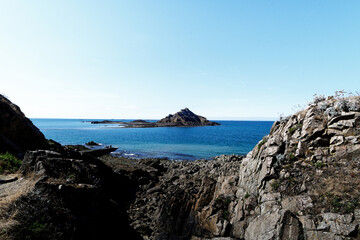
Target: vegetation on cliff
{"points": [[9, 163]]}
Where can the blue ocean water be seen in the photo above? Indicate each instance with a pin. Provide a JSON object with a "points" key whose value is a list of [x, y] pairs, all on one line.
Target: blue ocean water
{"points": [[186, 143]]}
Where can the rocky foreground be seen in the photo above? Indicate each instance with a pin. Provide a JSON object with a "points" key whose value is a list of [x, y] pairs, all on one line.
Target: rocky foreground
{"points": [[302, 181]]}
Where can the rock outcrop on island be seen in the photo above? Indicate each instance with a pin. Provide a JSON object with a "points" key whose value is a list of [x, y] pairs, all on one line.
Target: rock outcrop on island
{"points": [[299, 182], [17, 133], [184, 118]]}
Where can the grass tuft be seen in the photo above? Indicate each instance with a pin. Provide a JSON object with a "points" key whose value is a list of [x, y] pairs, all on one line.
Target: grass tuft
{"points": [[9, 163]]}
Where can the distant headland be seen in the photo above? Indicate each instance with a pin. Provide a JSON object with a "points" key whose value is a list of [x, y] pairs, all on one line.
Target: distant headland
{"points": [[183, 118]]}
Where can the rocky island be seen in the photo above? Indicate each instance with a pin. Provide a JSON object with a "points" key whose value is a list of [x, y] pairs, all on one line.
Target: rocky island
{"points": [[183, 118], [299, 182]]}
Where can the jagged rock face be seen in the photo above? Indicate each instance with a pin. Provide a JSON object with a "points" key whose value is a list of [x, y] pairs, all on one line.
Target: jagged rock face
{"points": [[181, 199], [300, 182], [308, 167], [17, 133], [186, 118]]}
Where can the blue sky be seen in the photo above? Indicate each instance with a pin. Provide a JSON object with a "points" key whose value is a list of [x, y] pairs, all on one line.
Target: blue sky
{"points": [[145, 59]]}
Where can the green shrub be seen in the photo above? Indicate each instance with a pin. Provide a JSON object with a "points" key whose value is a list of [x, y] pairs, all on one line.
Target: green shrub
{"points": [[225, 215], [275, 185], [38, 229], [222, 203], [336, 203], [247, 195], [9, 163], [319, 165], [263, 141], [291, 180], [287, 166], [227, 201], [292, 130], [342, 204], [291, 156], [349, 207], [72, 176]]}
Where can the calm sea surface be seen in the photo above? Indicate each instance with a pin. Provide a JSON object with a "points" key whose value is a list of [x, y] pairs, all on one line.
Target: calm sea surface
{"points": [[186, 143]]}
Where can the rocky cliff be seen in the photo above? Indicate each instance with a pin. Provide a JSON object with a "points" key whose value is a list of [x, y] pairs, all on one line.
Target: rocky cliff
{"points": [[186, 118], [17, 133], [301, 181], [58, 193]]}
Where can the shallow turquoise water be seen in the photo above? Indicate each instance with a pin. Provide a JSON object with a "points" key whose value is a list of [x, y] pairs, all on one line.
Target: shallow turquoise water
{"points": [[187, 143]]}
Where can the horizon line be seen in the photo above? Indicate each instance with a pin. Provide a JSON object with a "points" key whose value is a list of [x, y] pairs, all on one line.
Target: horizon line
{"points": [[210, 119]]}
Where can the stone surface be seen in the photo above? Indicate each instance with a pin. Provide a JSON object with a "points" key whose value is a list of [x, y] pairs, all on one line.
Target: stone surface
{"points": [[17, 133], [70, 197]]}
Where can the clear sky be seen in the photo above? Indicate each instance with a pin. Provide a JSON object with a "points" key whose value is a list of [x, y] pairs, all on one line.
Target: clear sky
{"points": [[144, 59]]}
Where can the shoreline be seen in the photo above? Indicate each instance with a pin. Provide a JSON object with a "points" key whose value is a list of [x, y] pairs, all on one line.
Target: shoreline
{"points": [[141, 155]]}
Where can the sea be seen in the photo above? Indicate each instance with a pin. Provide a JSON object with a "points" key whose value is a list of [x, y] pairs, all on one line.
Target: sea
{"points": [[175, 143]]}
